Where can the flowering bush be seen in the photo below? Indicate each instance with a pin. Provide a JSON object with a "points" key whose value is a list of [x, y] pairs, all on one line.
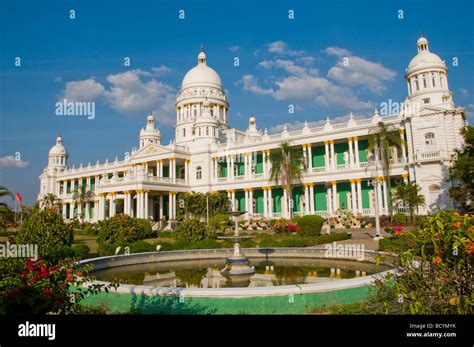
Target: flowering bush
{"points": [[36, 287], [435, 269], [396, 230]]}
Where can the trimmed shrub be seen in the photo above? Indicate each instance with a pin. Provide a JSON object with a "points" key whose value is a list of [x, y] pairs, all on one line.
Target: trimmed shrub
{"points": [[309, 225], [191, 230], [219, 223], [280, 226], [80, 251], [49, 231], [399, 218], [121, 229]]}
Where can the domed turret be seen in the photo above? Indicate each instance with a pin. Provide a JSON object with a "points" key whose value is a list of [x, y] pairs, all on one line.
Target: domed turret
{"points": [[201, 106], [426, 76], [57, 156], [150, 134]]}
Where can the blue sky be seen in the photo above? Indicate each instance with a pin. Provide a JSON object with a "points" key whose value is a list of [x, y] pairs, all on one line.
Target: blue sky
{"points": [[282, 62]]}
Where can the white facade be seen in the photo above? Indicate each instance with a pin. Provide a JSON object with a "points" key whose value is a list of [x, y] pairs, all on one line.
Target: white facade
{"points": [[208, 156]]}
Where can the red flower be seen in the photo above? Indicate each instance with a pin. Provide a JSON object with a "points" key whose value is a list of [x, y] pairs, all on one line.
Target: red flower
{"points": [[48, 292], [457, 225], [437, 260]]}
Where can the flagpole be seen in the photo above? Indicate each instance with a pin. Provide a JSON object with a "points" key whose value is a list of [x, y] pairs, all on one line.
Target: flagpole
{"points": [[15, 212]]}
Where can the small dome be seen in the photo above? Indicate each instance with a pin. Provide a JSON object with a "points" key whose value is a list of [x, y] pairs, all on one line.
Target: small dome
{"points": [[58, 148], [424, 59], [201, 74]]}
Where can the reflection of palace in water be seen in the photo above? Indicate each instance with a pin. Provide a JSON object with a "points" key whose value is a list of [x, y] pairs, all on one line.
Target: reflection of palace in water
{"points": [[214, 279]]}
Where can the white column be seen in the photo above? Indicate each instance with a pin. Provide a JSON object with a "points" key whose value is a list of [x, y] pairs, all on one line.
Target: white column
{"points": [[161, 207], [356, 150], [264, 163], [64, 209], [351, 152], [246, 193], [265, 202], [359, 195], [95, 217], [326, 155], [246, 166], [186, 171], [101, 214], [310, 158], [251, 202], [329, 200], [232, 199], [305, 155], [385, 195], [333, 156], [354, 197], [87, 214], [306, 199], [170, 206], [145, 202], [311, 198], [139, 204], [216, 168], [228, 167], [270, 202], [335, 206], [404, 149]]}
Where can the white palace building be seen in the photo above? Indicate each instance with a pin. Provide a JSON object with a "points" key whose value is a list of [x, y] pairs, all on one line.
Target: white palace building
{"points": [[208, 156]]}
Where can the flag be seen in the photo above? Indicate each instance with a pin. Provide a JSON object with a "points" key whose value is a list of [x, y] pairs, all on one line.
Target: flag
{"points": [[18, 198]]}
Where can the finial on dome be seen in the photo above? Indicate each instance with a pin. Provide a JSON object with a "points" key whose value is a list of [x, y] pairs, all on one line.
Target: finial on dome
{"points": [[422, 43], [202, 55]]}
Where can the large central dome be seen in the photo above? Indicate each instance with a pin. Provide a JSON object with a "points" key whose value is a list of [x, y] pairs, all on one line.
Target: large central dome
{"points": [[201, 75]]}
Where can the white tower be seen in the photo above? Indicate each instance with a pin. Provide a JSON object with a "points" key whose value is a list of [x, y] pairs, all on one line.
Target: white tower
{"points": [[427, 78], [201, 106], [57, 156], [149, 134]]}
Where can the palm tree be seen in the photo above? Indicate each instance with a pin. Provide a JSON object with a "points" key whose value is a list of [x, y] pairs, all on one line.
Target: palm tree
{"points": [[4, 192], [409, 194], [382, 139], [81, 195], [49, 200], [288, 165]]}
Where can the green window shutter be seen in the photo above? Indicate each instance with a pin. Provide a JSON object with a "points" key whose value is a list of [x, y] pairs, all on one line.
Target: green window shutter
{"points": [[318, 156], [363, 145]]}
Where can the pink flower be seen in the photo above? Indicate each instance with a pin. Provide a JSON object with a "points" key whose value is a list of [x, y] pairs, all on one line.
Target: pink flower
{"points": [[399, 228]]}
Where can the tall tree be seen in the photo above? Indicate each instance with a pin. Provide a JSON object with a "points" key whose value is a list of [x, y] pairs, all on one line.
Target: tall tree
{"points": [[462, 173], [382, 140], [410, 195], [288, 164]]}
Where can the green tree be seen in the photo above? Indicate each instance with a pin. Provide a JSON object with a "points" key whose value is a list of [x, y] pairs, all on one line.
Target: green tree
{"points": [[48, 230], [4, 192], [194, 205], [410, 195], [287, 167], [382, 139], [462, 172], [80, 196]]}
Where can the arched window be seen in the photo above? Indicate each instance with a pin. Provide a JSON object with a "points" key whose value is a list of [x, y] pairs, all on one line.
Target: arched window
{"points": [[199, 173], [416, 83], [441, 81], [433, 80], [207, 131], [184, 132], [424, 82]]}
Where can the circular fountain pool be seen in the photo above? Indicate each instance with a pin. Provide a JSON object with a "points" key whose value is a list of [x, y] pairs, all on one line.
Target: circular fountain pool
{"points": [[286, 280]]}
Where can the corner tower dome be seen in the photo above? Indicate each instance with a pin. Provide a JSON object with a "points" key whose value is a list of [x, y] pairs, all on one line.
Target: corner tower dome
{"points": [[427, 79], [201, 74], [57, 156], [149, 134]]}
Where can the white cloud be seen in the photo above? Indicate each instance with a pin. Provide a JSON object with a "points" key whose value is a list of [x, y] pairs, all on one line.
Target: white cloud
{"points": [[281, 48], [319, 90], [250, 84], [287, 65], [353, 71], [132, 92], [85, 90], [234, 48], [158, 71], [10, 161], [464, 92]]}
